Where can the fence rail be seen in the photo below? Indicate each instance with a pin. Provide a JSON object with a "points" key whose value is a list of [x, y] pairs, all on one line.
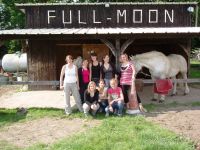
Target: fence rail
{"points": [[56, 83]]}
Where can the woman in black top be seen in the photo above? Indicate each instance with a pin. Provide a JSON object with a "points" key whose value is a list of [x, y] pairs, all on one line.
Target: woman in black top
{"points": [[91, 98], [95, 69], [108, 71]]}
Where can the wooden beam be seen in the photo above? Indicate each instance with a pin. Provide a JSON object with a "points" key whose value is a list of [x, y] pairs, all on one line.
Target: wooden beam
{"points": [[126, 44], [184, 48], [110, 45]]}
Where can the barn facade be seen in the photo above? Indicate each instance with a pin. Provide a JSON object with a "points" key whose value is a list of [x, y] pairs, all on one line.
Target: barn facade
{"points": [[55, 30]]}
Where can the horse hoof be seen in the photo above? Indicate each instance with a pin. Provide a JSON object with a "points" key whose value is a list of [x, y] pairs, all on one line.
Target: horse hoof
{"points": [[174, 94], [153, 99], [185, 94], [161, 101]]}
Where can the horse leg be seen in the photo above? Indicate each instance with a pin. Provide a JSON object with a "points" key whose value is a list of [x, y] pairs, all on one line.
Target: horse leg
{"points": [[155, 95], [174, 92], [162, 96], [187, 90]]}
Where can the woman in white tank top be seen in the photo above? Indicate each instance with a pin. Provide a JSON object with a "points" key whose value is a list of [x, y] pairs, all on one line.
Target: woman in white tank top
{"points": [[70, 84]]}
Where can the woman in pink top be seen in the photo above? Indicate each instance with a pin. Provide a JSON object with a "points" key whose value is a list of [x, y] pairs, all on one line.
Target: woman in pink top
{"points": [[84, 78], [127, 79]]}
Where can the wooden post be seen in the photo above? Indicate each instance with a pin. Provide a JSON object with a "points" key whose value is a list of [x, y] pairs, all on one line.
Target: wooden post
{"points": [[117, 52], [126, 44], [117, 49], [110, 45]]}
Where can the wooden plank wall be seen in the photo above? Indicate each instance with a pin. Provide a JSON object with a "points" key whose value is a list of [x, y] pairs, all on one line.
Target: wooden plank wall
{"points": [[62, 51], [45, 58], [41, 63], [100, 49]]}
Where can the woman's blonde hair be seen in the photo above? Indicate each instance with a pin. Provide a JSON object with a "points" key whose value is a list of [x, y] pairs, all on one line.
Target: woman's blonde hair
{"points": [[89, 84], [114, 80], [124, 55]]}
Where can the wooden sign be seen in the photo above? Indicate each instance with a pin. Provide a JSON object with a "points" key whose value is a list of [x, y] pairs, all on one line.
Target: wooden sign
{"points": [[108, 15]]}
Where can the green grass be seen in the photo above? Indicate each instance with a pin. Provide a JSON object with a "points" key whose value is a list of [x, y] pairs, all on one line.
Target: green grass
{"points": [[125, 133], [194, 62], [152, 106], [9, 116], [195, 104], [194, 69], [194, 73]]}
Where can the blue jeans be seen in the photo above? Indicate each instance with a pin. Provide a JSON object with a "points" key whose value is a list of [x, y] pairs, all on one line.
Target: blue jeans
{"points": [[103, 104], [107, 82], [117, 106]]}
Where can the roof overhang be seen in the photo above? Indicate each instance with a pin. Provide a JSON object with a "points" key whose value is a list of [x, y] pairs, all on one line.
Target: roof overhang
{"points": [[112, 3], [96, 33]]}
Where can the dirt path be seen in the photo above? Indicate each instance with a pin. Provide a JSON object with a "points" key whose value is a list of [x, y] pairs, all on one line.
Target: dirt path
{"points": [[28, 99], [45, 130], [13, 99], [182, 120]]}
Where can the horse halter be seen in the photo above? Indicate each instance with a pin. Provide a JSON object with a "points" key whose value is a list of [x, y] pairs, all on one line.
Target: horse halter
{"points": [[146, 75]]}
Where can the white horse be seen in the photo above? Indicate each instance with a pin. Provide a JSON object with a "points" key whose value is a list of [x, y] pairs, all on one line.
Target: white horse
{"points": [[78, 61], [162, 67]]}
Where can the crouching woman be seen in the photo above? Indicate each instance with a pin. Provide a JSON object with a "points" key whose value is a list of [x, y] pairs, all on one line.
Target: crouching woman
{"points": [[91, 98], [115, 99]]}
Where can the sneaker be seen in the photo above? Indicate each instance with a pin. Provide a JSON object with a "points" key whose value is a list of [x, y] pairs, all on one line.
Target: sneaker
{"points": [[161, 101], [93, 113], [120, 115], [67, 113], [142, 109], [86, 115], [107, 114], [115, 113]]}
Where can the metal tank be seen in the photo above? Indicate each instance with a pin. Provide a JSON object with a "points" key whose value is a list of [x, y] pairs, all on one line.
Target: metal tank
{"points": [[15, 62]]}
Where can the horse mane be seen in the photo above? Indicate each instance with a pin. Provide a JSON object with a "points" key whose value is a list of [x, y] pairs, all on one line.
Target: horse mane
{"points": [[149, 55]]}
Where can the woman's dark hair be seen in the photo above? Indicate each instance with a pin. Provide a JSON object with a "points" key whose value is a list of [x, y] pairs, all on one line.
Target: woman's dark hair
{"points": [[93, 54], [104, 58]]}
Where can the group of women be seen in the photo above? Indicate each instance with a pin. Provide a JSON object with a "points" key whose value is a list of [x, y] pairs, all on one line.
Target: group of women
{"points": [[95, 85]]}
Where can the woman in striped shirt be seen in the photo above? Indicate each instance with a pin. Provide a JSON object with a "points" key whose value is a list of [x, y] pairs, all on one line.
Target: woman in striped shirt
{"points": [[127, 77]]}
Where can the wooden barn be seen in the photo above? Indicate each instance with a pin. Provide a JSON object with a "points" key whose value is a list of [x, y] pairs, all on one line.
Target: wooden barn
{"points": [[54, 30]]}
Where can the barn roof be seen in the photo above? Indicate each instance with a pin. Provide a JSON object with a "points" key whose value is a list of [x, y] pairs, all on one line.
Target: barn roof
{"points": [[102, 32], [112, 3]]}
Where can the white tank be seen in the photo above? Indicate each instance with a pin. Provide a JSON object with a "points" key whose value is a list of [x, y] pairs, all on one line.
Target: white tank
{"points": [[15, 62]]}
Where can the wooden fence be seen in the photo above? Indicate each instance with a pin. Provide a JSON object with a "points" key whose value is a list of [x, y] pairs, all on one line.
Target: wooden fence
{"points": [[56, 83]]}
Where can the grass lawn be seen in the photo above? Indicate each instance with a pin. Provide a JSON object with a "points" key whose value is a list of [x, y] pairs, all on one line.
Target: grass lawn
{"points": [[194, 69], [126, 133], [194, 62]]}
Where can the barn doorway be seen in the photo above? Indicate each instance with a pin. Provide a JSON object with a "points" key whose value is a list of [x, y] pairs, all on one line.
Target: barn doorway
{"points": [[76, 50]]}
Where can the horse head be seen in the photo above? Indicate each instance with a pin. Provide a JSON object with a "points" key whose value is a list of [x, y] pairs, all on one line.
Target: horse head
{"points": [[78, 61]]}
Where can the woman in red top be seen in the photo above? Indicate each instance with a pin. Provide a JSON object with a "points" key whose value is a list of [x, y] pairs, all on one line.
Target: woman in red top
{"points": [[115, 99], [84, 78]]}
